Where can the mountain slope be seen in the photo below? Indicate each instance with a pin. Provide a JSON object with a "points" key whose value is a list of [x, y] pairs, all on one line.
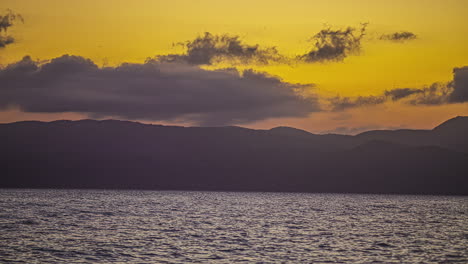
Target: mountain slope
{"points": [[122, 154], [452, 134]]}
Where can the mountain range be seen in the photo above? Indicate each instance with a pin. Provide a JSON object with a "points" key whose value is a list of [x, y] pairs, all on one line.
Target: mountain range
{"points": [[112, 154]]}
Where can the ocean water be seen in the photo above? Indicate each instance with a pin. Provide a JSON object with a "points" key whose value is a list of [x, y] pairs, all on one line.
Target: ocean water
{"points": [[100, 226]]}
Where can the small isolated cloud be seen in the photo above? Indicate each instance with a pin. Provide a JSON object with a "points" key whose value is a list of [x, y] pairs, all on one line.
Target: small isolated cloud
{"points": [[152, 91], [209, 48], [335, 45], [6, 21], [399, 36], [6, 40]]}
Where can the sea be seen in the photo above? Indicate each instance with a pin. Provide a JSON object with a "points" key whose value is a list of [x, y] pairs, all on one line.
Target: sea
{"points": [[124, 226]]}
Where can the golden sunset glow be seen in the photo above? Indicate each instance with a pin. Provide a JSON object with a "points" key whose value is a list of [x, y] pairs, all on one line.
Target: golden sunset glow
{"points": [[117, 31]]}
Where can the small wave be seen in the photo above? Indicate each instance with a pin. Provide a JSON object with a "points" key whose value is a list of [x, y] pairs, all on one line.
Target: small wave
{"points": [[383, 244], [28, 222]]}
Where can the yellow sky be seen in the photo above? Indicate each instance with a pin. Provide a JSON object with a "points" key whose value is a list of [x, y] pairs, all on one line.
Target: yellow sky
{"points": [[115, 31]]}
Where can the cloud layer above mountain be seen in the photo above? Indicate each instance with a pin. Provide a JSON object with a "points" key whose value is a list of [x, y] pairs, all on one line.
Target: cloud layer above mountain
{"points": [[455, 91], [153, 90]]}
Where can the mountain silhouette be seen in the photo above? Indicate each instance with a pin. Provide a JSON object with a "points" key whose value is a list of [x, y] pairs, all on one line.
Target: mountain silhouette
{"points": [[130, 155], [451, 134]]}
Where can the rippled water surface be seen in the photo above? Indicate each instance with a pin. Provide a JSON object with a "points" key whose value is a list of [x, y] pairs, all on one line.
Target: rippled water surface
{"points": [[67, 226]]}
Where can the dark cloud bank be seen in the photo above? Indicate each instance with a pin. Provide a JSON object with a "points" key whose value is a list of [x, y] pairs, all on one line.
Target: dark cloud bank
{"points": [[153, 90], [181, 92]]}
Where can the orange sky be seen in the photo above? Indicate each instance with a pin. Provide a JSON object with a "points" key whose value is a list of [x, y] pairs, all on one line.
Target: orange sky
{"points": [[113, 31]]}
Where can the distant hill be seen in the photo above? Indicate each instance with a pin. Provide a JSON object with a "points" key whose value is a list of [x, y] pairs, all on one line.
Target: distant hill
{"points": [[131, 155], [452, 134]]}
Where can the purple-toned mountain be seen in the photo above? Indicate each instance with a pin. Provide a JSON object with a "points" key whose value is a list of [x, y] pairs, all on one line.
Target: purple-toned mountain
{"points": [[452, 134], [123, 154]]}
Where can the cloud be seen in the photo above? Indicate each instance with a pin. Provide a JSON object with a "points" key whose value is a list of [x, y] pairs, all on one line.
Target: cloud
{"points": [[435, 94], [399, 36], [459, 85], [151, 91], [400, 93], [339, 103], [335, 45], [455, 91], [6, 21], [209, 49], [328, 45], [6, 40]]}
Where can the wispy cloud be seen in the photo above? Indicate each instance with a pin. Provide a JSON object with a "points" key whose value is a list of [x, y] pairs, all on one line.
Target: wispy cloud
{"points": [[455, 91], [399, 36], [7, 20], [335, 44], [340, 103], [328, 45], [210, 48]]}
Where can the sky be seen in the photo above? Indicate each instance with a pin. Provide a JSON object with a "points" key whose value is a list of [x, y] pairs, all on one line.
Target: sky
{"points": [[324, 66]]}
